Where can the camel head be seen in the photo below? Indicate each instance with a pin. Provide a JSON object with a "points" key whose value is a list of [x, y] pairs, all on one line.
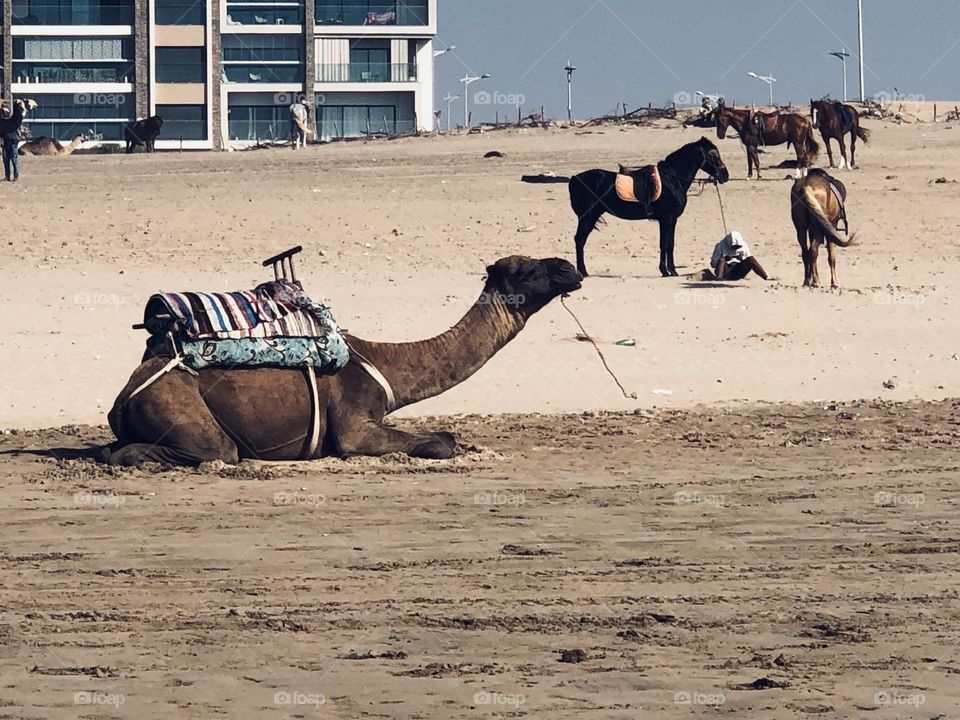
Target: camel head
{"points": [[27, 104], [525, 285]]}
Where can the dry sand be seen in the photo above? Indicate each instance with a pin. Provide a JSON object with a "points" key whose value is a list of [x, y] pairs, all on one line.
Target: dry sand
{"points": [[730, 548]]}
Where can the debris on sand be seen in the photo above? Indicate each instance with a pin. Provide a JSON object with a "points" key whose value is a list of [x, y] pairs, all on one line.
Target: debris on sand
{"points": [[573, 656], [890, 384], [527, 228], [495, 154], [523, 551], [388, 655], [763, 683]]}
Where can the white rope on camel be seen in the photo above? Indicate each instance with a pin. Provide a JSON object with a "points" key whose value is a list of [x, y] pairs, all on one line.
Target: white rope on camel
{"points": [[630, 396]]}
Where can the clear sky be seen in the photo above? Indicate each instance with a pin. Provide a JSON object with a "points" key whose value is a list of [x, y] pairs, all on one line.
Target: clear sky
{"points": [[642, 51]]}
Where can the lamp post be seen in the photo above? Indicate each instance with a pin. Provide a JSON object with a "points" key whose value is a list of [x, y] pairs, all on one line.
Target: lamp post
{"points": [[438, 53], [843, 55], [467, 82], [768, 79], [863, 92], [449, 99], [570, 70]]}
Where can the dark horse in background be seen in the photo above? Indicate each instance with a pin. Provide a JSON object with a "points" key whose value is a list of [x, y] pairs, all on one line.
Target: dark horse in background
{"points": [[757, 128], [834, 120], [593, 193], [142, 133]]}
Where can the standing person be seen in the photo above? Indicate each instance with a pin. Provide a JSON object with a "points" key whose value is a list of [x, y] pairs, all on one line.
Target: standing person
{"points": [[732, 259], [299, 121], [10, 121]]}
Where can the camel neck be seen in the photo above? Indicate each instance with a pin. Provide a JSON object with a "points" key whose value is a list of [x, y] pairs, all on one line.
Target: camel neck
{"points": [[420, 370]]}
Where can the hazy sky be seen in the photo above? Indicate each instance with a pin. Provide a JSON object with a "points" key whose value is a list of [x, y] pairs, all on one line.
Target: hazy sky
{"points": [[642, 51]]}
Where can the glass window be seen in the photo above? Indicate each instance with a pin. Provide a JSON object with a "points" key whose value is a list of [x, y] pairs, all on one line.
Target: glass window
{"points": [[338, 121], [180, 65], [52, 48], [180, 12], [371, 12], [258, 122], [262, 48], [65, 12], [187, 122], [240, 15], [83, 106]]}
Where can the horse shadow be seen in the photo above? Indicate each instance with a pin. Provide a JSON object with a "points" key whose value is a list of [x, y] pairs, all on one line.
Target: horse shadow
{"points": [[90, 452]]}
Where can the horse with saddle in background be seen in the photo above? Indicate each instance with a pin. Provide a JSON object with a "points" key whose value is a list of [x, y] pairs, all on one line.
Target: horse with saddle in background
{"points": [[817, 207], [652, 192], [776, 128], [834, 120]]}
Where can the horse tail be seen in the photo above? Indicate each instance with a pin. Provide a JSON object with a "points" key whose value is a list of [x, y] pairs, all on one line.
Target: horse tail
{"points": [[862, 132], [813, 205]]}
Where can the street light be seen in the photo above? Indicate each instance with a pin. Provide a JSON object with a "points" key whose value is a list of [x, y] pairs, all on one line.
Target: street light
{"points": [[449, 99], [570, 70], [467, 81], [438, 53], [843, 55], [768, 79], [863, 92]]}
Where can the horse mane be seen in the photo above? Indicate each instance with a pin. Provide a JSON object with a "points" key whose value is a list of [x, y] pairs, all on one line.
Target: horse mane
{"points": [[679, 152]]}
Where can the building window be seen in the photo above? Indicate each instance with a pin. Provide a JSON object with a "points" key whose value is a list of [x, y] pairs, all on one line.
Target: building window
{"points": [[262, 58], [340, 121], [258, 122], [183, 122], [372, 12], [280, 13], [180, 65], [65, 12], [73, 60], [96, 115], [180, 12]]}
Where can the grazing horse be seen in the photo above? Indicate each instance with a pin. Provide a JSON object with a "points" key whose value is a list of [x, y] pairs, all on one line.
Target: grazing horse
{"points": [[142, 133], [755, 129], [835, 120], [594, 192], [816, 207]]}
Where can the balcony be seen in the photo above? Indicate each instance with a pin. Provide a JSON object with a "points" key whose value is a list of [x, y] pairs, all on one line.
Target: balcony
{"points": [[264, 14], [52, 72], [367, 72], [372, 13], [53, 13], [262, 73]]}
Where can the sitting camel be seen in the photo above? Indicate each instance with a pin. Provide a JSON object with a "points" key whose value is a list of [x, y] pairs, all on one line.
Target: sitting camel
{"points": [[51, 146], [266, 413]]}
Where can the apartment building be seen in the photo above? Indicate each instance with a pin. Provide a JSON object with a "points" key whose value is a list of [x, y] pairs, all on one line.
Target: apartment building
{"points": [[221, 73]]}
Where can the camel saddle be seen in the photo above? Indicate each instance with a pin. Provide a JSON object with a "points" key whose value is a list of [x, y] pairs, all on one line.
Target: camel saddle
{"points": [[639, 184]]}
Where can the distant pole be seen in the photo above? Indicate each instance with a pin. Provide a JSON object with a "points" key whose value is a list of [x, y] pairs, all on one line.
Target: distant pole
{"points": [[843, 55], [863, 92], [570, 70], [449, 99]]}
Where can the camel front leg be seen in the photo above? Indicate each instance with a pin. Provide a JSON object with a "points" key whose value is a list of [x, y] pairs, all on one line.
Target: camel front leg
{"points": [[375, 439]]}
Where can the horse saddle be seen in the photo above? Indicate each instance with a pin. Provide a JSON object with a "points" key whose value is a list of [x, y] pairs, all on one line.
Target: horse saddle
{"points": [[639, 184], [766, 123], [844, 113], [839, 191]]}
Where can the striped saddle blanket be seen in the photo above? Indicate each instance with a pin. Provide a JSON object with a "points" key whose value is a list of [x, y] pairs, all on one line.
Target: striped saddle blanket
{"points": [[274, 309]]}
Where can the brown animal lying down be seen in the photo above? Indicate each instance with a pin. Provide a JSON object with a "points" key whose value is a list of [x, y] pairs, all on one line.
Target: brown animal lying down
{"points": [[266, 413]]}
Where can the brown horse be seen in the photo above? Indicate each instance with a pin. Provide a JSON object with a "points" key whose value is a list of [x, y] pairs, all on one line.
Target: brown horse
{"points": [[756, 128], [816, 207], [835, 120]]}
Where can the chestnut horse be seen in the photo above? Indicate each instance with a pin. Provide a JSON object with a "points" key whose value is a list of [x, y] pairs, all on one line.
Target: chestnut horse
{"points": [[756, 128], [835, 120]]}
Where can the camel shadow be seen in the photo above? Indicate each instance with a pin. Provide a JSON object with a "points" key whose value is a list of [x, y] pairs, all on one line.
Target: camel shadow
{"points": [[90, 452]]}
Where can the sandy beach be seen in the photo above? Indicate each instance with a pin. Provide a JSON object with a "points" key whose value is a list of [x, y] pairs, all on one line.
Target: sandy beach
{"points": [[767, 530]]}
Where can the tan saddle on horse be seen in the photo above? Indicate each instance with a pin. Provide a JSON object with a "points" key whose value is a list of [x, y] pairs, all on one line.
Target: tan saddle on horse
{"points": [[639, 184], [766, 122]]}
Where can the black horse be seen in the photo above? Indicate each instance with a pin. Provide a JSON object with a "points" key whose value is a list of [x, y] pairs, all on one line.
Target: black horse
{"points": [[593, 193]]}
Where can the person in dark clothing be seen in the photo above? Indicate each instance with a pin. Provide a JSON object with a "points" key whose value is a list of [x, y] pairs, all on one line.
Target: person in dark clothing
{"points": [[10, 122]]}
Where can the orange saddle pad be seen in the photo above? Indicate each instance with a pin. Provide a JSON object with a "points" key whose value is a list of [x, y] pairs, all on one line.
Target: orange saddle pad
{"points": [[650, 186]]}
